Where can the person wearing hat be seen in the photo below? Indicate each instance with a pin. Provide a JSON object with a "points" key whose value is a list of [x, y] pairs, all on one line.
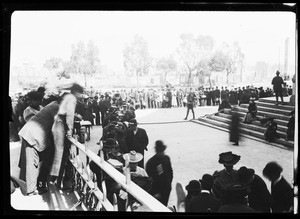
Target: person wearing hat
{"points": [[63, 126], [235, 196], [259, 197], [234, 134], [96, 109], [252, 108], [191, 98], [277, 83], [226, 177], [270, 133], [205, 201], [290, 132], [193, 190], [160, 169], [137, 139], [134, 158], [282, 194], [121, 139], [35, 100]]}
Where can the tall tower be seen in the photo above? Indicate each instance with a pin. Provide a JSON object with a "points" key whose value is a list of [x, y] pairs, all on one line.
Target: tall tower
{"points": [[286, 56]]}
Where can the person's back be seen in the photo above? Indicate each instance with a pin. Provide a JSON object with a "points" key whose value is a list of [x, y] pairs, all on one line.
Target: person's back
{"points": [[277, 81], [204, 202], [282, 196], [235, 208]]}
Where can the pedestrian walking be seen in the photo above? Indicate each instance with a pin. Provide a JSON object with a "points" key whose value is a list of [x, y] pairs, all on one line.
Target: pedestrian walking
{"points": [[190, 103], [159, 168], [234, 129]]}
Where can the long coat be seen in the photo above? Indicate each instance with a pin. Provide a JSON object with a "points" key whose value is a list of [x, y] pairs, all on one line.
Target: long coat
{"points": [[282, 196], [203, 202], [259, 196], [137, 142]]}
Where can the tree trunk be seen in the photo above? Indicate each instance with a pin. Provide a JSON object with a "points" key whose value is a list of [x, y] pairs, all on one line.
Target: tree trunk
{"points": [[85, 80], [189, 78], [209, 81]]}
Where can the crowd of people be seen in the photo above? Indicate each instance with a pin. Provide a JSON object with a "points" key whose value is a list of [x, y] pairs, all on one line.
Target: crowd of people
{"points": [[239, 190], [44, 122]]}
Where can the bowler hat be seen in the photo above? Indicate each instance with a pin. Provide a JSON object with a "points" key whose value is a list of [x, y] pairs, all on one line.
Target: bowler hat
{"points": [[193, 185], [160, 146], [207, 180], [133, 122], [134, 157], [110, 143], [244, 174], [228, 158]]}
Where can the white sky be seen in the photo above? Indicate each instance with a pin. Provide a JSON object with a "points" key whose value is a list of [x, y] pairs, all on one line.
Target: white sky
{"points": [[39, 35]]}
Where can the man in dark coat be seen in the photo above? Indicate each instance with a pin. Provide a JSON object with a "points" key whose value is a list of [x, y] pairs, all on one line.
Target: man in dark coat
{"points": [[205, 201], [169, 95], [290, 132], [234, 129], [259, 197], [137, 140], [208, 97], [277, 83], [159, 168], [217, 95], [213, 96], [96, 109], [282, 194]]}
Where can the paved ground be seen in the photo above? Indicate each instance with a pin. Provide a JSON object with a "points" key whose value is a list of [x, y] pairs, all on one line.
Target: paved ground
{"points": [[194, 148]]}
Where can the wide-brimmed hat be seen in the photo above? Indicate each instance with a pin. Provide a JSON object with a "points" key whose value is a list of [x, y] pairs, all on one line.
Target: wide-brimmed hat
{"points": [[207, 180], [193, 185], [244, 174], [134, 157], [160, 146], [228, 158]]}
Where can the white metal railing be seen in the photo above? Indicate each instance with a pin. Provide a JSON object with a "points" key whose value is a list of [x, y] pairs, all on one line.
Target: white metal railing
{"points": [[89, 186]]}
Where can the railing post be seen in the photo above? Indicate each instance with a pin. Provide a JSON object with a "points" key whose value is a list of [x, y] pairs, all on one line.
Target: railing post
{"points": [[115, 202], [127, 170], [101, 152], [104, 191]]}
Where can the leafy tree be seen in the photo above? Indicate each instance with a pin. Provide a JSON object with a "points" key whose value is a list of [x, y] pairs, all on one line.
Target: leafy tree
{"points": [[137, 60], [166, 65], [195, 53]]}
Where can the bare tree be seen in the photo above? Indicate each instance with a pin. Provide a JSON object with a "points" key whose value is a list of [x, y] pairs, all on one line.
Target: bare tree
{"points": [[137, 59], [166, 66]]}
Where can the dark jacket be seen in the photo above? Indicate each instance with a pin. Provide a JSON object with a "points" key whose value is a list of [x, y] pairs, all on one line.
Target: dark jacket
{"points": [[277, 82], [259, 196], [137, 142], [160, 170], [282, 196], [235, 208], [204, 203]]}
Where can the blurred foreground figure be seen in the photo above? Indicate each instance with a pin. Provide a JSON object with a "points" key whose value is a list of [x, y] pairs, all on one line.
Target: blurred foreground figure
{"points": [[235, 129]]}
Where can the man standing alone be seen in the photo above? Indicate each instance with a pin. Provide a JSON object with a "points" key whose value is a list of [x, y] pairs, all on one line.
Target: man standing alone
{"points": [[277, 87]]}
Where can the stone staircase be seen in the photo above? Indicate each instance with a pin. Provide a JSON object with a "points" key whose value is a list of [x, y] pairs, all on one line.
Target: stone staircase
{"points": [[265, 106]]}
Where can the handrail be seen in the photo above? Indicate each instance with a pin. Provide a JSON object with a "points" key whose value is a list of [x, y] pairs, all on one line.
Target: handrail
{"points": [[133, 189]]}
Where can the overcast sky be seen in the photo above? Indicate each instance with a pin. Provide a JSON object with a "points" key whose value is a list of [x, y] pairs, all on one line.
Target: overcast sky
{"points": [[39, 35]]}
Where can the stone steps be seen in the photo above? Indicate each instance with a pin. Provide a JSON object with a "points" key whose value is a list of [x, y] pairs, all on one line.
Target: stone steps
{"points": [[247, 131], [272, 105], [268, 109], [255, 122], [273, 101], [252, 126], [262, 113]]}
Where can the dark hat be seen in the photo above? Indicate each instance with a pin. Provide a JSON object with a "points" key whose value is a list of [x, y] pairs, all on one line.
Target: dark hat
{"points": [[76, 88], [244, 174], [235, 192], [207, 180], [109, 143], [228, 158], [133, 122], [120, 133], [277, 72], [193, 185], [160, 146], [35, 95]]}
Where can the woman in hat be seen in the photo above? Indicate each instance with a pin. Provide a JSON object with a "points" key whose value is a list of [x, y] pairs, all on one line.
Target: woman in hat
{"points": [[205, 201], [259, 197], [226, 177], [282, 194], [160, 169], [193, 190]]}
